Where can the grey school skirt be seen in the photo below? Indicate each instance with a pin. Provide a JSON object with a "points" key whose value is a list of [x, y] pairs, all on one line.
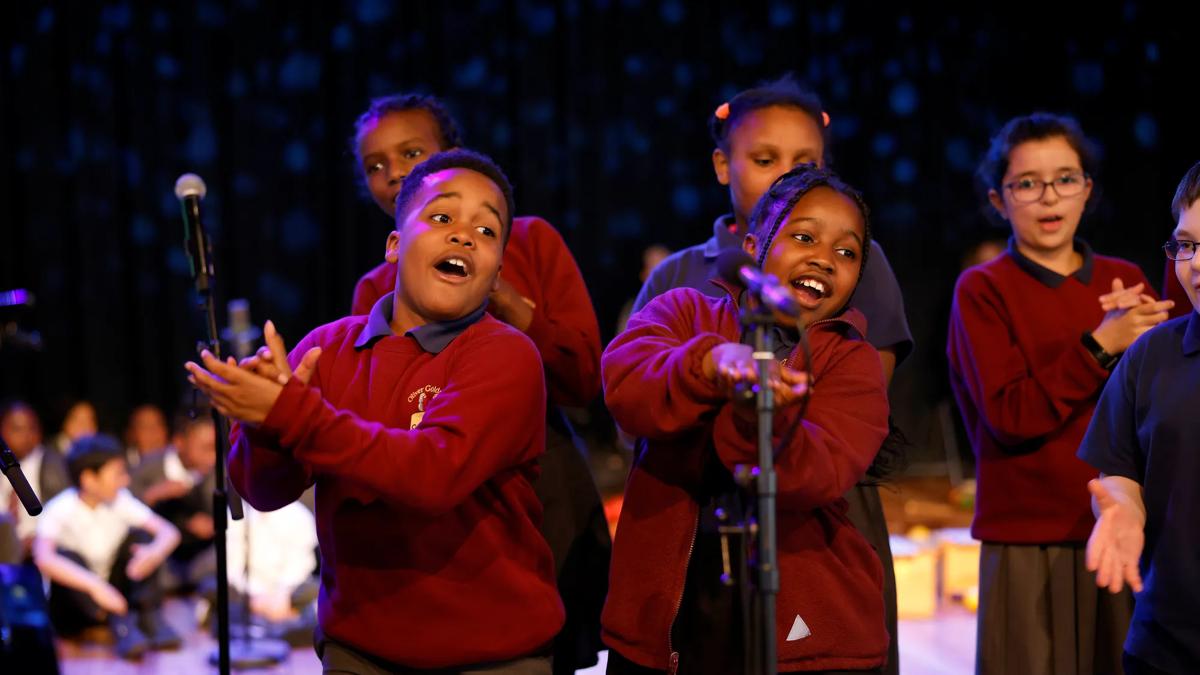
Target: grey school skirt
{"points": [[1041, 613]]}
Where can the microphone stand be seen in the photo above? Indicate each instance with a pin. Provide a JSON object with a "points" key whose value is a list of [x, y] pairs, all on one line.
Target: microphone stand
{"points": [[246, 650], [760, 624], [200, 254]]}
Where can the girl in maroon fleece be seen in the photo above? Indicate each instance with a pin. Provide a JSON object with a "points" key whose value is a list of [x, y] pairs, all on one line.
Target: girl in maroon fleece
{"points": [[1033, 336], [670, 379], [421, 425]]}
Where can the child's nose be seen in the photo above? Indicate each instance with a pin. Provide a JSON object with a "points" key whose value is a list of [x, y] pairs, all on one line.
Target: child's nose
{"points": [[462, 239], [823, 260]]}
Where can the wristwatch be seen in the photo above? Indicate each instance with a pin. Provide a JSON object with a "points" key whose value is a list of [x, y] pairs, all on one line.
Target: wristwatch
{"points": [[1106, 360]]}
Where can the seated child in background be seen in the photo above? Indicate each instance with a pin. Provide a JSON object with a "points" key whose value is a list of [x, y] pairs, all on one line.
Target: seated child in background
{"points": [[79, 420], [283, 559], [45, 470], [177, 482], [91, 545], [146, 433]]}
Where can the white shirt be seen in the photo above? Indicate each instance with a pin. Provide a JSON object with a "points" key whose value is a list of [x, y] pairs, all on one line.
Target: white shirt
{"points": [[282, 549], [31, 466], [94, 533], [174, 469]]}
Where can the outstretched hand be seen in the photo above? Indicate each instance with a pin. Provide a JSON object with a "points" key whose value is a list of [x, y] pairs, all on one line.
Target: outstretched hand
{"points": [[731, 364], [1115, 546]]}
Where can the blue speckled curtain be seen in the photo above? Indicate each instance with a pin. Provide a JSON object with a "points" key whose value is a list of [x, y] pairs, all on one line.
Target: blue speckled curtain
{"points": [[596, 108]]}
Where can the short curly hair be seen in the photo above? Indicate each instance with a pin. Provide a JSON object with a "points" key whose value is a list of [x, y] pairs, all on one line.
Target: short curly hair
{"points": [[449, 135], [456, 159]]}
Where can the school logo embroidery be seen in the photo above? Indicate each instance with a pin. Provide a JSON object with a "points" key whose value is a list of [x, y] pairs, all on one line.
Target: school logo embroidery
{"points": [[799, 630], [428, 391]]}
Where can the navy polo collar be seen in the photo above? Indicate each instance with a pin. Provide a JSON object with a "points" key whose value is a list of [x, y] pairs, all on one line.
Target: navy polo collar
{"points": [[1049, 277], [433, 337]]}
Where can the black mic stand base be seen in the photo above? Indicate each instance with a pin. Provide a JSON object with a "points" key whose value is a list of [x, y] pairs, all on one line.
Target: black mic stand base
{"points": [[248, 652]]}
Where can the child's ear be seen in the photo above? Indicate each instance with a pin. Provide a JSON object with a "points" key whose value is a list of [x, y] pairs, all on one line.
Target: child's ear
{"points": [[750, 245], [997, 203], [496, 281], [392, 252], [721, 166]]}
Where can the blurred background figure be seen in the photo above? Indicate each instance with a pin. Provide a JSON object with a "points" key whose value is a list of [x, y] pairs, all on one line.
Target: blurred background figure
{"points": [[146, 433], [651, 257], [177, 483], [45, 470], [282, 583], [78, 421]]}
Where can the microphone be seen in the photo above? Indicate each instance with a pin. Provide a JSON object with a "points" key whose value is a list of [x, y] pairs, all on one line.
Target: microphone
{"points": [[241, 334], [736, 266], [12, 471], [189, 190]]}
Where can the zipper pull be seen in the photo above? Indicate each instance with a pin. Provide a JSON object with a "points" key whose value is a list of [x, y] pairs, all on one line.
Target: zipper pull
{"points": [[673, 665]]}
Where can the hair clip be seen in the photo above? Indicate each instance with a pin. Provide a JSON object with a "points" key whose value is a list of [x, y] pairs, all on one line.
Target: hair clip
{"points": [[825, 117], [722, 112]]}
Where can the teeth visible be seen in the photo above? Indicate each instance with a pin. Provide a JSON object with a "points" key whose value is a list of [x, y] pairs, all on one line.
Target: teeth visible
{"points": [[459, 262], [814, 284]]}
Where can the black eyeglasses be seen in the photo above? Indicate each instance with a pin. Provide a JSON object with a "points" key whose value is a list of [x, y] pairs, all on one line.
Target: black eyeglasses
{"points": [[1029, 190], [1180, 249]]}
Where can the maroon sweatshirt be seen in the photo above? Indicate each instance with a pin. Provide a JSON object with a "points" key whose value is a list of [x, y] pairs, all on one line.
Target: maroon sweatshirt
{"points": [[426, 515], [830, 578], [1026, 387], [539, 265]]}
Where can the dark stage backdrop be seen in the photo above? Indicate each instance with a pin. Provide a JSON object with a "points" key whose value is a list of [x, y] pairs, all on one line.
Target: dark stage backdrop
{"points": [[596, 108]]}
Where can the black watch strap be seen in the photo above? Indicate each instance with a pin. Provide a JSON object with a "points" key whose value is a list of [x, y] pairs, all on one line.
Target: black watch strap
{"points": [[1106, 360]]}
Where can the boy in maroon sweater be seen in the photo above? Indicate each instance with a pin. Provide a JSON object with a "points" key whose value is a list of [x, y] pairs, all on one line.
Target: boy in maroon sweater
{"points": [[1033, 336], [421, 424], [670, 379], [540, 293]]}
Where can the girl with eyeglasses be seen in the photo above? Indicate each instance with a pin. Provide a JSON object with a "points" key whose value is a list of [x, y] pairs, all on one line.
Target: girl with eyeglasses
{"points": [[1033, 337]]}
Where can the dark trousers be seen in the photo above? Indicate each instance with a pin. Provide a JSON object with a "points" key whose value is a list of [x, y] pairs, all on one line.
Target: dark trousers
{"points": [[619, 665], [339, 658], [574, 526], [1135, 666], [72, 610], [866, 512]]}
